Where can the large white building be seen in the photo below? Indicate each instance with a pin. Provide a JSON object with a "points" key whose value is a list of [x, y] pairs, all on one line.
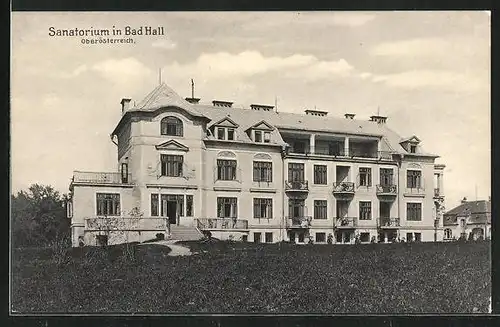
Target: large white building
{"points": [[258, 175]]}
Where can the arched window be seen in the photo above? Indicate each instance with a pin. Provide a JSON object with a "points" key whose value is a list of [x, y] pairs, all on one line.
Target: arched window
{"points": [[448, 233], [171, 126]]}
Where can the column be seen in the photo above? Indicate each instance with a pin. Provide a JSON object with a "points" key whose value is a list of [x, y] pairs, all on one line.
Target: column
{"points": [[312, 142], [385, 237], [440, 184], [346, 146]]}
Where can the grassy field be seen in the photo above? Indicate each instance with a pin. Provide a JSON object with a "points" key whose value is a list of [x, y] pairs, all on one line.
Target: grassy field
{"points": [[256, 278]]}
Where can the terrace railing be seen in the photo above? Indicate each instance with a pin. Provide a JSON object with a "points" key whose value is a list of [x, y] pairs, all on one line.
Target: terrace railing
{"points": [[346, 222], [101, 177], [118, 223], [387, 189], [297, 186], [299, 222], [389, 222], [343, 187], [221, 223]]}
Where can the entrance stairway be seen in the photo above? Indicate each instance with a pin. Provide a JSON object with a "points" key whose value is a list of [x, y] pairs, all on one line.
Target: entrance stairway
{"points": [[184, 233]]}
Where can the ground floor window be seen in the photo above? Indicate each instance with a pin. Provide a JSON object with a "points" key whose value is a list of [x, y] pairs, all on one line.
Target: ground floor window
{"points": [[343, 236], [364, 237], [320, 237], [108, 204], [292, 237], [418, 237], [301, 237], [256, 237], [448, 233], [409, 237], [102, 240], [269, 237], [227, 208], [263, 208], [244, 238], [162, 204]]}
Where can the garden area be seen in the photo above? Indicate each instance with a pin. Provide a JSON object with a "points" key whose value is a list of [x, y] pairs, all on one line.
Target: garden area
{"points": [[230, 277]]}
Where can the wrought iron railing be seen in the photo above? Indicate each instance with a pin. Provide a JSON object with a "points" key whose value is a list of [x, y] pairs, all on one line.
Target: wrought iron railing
{"points": [[387, 189], [221, 223], [346, 222], [302, 222], [296, 185], [343, 187], [389, 222], [101, 177]]}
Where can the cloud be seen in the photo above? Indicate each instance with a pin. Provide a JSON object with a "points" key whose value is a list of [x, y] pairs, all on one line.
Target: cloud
{"points": [[432, 78], [365, 75], [249, 63], [351, 19], [413, 47], [164, 44]]}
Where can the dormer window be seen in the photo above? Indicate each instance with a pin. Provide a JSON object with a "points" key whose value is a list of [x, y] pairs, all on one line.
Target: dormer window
{"points": [[171, 126], [230, 134], [224, 133], [413, 148], [258, 136], [221, 133], [267, 137]]}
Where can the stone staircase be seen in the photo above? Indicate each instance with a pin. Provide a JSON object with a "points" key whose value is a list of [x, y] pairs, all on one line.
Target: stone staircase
{"points": [[184, 233]]}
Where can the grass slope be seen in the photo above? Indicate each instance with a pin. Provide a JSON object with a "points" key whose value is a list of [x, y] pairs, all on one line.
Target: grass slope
{"points": [[223, 278]]}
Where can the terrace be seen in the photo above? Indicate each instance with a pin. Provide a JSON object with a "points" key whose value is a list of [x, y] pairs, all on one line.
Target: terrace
{"points": [[118, 223], [221, 224], [387, 222], [101, 178]]}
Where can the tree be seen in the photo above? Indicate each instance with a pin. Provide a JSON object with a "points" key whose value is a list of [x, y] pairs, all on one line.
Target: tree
{"points": [[38, 216]]}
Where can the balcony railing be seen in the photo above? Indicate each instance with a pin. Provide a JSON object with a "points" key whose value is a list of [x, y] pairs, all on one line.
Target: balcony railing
{"points": [[221, 223], [437, 193], [346, 222], [297, 186], [415, 190], [343, 187], [299, 222], [387, 189], [125, 223], [389, 222], [101, 177]]}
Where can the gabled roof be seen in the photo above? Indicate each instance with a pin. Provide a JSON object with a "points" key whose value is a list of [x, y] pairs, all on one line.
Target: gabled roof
{"points": [[413, 139], [172, 145], [226, 121], [261, 125], [472, 207]]}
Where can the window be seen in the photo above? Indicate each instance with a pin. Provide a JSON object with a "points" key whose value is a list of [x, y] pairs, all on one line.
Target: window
{"points": [[295, 172], [102, 240], [365, 177], [386, 176], [227, 207], [189, 206], [262, 208], [262, 171], [462, 222], [177, 198], [413, 178], [269, 237], [409, 237], [414, 211], [296, 208], [364, 237], [171, 165], [244, 238], [299, 147], [124, 172], [365, 210], [335, 149], [267, 137], [413, 148], [154, 205], [226, 170], [69, 209], [418, 237], [171, 126], [301, 238], [320, 209], [221, 133], [258, 136], [230, 134], [320, 237], [108, 204], [448, 233], [320, 175], [256, 237]]}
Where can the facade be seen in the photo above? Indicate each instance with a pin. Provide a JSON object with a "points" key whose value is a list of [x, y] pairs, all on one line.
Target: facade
{"points": [[257, 175], [469, 220]]}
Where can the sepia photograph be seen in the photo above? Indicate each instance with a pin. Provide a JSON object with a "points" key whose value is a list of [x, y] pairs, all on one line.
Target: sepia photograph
{"points": [[225, 162]]}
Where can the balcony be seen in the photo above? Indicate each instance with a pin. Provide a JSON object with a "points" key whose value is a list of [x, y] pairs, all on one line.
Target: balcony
{"points": [[415, 191], [343, 189], [437, 193], [388, 223], [100, 178], [125, 223], [296, 186], [346, 222], [299, 222], [222, 224], [387, 190]]}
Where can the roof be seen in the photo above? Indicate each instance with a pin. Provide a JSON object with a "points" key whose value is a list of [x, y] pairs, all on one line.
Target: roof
{"points": [[477, 211], [164, 96]]}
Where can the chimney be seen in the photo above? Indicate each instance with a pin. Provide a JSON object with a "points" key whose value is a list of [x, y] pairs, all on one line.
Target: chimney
{"points": [[262, 107], [378, 119], [464, 200], [349, 116], [316, 113], [125, 104], [225, 104], [193, 100]]}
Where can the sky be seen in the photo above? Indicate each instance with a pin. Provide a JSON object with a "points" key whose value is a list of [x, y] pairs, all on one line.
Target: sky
{"points": [[428, 72]]}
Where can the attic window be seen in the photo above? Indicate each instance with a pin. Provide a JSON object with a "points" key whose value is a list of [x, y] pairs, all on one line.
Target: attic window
{"points": [[225, 104], [224, 133], [267, 137], [221, 133], [230, 134], [413, 148], [261, 107]]}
